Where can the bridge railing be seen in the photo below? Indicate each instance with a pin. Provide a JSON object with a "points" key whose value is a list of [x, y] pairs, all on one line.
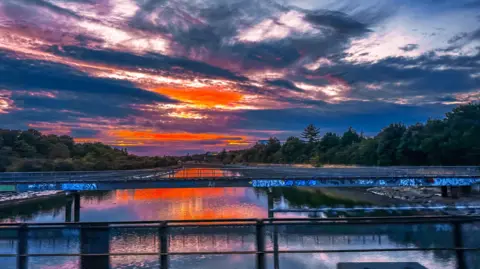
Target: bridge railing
{"points": [[94, 238]]}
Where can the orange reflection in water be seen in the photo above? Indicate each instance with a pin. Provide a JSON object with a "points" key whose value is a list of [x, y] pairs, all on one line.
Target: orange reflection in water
{"points": [[202, 172], [191, 203]]}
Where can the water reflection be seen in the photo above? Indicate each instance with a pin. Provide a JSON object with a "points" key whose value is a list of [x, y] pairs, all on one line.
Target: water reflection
{"points": [[205, 173], [209, 203]]}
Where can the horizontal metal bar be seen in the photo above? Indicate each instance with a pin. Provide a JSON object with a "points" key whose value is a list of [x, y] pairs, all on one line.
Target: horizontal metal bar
{"points": [[267, 221], [237, 252]]}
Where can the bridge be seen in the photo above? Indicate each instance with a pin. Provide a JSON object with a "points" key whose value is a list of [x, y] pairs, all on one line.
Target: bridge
{"points": [[98, 241], [237, 176]]}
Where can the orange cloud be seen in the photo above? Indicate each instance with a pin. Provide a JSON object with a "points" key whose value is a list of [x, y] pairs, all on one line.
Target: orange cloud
{"points": [[209, 97], [151, 136]]}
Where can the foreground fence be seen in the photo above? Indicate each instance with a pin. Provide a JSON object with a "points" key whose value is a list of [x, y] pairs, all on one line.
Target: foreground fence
{"points": [[96, 252]]}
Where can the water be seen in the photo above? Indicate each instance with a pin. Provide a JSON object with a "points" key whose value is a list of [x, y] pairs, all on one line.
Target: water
{"points": [[222, 203]]}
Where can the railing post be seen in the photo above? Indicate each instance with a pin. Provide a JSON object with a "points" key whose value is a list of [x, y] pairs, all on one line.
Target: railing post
{"points": [[163, 245], [271, 215], [458, 241], [22, 247], [260, 239], [95, 239], [276, 261]]}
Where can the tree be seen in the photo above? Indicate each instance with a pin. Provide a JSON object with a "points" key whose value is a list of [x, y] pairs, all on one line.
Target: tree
{"points": [[292, 149], [350, 137], [59, 151], [409, 150], [222, 155], [24, 149], [310, 133], [388, 142], [328, 141]]}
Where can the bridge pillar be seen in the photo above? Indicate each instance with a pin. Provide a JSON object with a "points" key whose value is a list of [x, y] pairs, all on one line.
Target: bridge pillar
{"points": [[444, 191], [68, 210], [95, 239], [76, 206], [455, 192], [271, 214], [467, 190]]}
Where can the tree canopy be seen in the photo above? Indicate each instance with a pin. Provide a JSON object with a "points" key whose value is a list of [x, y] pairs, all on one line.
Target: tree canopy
{"points": [[31, 150], [453, 140]]}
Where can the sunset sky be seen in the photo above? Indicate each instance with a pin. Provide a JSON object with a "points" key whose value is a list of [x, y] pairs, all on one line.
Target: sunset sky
{"points": [[177, 76]]}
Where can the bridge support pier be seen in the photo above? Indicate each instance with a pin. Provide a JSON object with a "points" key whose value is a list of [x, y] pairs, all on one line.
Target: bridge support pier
{"points": [[95, 240], [466, 190], [455, 192], [76, 206], [444, 191], [68, 210]]}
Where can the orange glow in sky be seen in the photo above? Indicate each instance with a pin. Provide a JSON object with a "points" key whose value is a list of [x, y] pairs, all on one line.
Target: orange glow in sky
{"points": [[208, 97], [151, 136]]}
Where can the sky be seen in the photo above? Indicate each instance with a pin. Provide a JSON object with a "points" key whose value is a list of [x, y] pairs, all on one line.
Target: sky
{"points": [[188, 76]]}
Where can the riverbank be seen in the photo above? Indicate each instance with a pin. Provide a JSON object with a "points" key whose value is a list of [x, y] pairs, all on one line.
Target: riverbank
{"points": [[356, 195], [395, 196], [13, 199]]}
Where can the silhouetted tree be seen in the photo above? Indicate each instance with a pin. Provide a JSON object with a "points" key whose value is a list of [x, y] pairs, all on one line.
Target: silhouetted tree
{"points": [[311, 133]]}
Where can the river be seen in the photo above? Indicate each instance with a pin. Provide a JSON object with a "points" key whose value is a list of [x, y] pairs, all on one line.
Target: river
{"points": [[223, 203]]}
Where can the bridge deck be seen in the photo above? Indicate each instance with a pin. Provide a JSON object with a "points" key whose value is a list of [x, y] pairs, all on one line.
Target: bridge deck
{"points": [[235, 176]]}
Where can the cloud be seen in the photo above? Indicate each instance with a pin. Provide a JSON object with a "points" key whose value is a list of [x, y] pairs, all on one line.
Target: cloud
{"points": [[284, 84], [409, 47], [154, 61], [338, 21], [25, 74]]}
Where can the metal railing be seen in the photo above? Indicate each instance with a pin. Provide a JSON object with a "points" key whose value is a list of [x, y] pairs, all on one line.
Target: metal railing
{"points": [[89, 255]]}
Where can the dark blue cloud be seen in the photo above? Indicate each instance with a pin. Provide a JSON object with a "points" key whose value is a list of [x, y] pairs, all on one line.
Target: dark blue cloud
{"points": [[338, 21], [417, 76], [369, 117], [24, 74], [284, 84], [149, 60], [409, 47]]}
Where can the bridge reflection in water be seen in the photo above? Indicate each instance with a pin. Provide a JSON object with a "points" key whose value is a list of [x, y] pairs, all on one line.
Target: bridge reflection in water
{"points": [[248, 243]]}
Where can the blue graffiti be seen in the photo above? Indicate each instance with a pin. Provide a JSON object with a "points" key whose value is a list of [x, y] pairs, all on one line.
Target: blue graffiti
{"points": [[267, 183], [78, 186], [41, 187], [384, 182], [455, 181]]}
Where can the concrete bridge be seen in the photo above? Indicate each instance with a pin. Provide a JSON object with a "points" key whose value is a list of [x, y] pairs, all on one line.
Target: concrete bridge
{"points": [[239, 176]]}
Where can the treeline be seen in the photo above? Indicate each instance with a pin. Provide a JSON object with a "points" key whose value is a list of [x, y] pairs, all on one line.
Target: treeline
{"points": [[454, 140], [30, 151]]}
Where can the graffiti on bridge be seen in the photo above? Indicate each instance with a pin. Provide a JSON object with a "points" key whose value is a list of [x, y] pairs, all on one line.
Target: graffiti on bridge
{"points": [[39, 187], [79, 186], [389, 182]]}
